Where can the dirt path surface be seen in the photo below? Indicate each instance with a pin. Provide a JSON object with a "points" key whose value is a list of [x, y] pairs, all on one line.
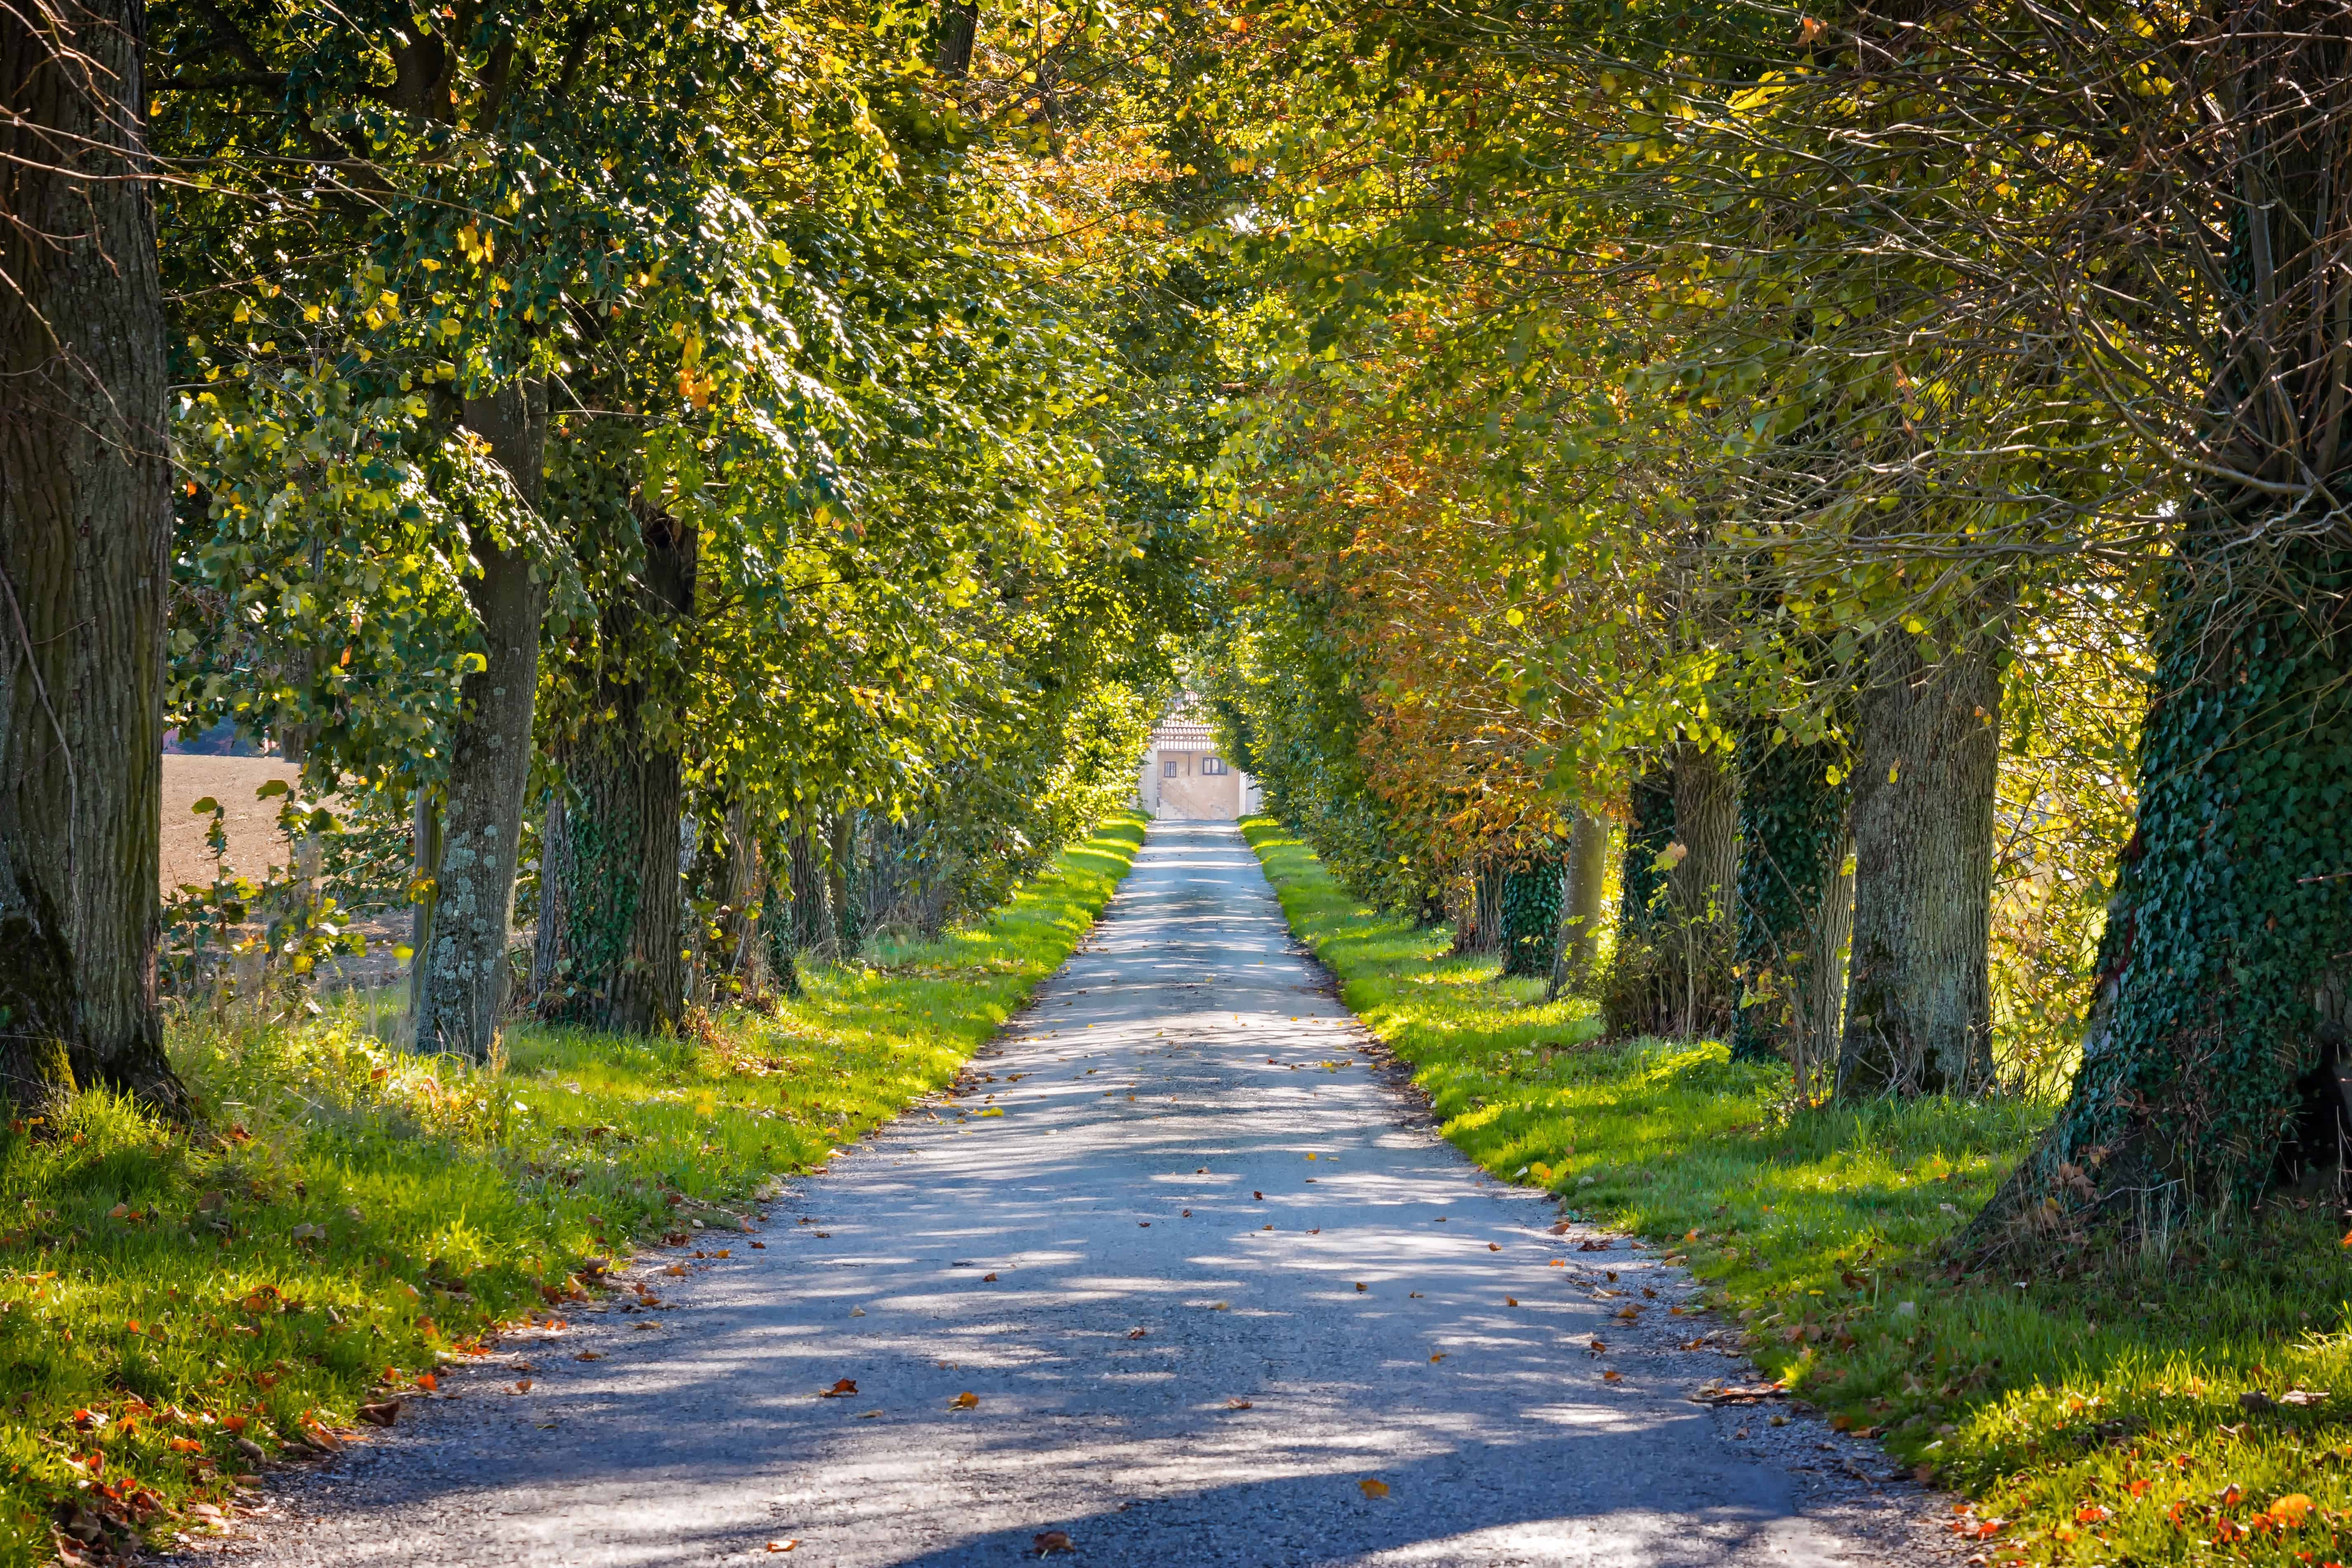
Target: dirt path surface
{"points": [[1204, 1188], [254, 842]]}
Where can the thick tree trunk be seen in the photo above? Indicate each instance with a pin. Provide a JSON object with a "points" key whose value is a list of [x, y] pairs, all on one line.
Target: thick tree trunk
{"points": [[1795, 901], [1581, 892], [462, 979], [625, 938], [1702, 888], [1918, 1014], [85, 531]]}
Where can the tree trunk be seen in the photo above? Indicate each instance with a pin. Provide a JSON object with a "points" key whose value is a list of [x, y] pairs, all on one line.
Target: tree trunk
{"points": [[840, 865], [1633, 999], [1794, 899], [1918, 1014], [1581, 891], [1531, 915], [1702, 888], [85, 532], [813, 930], [741, 975], [625, 938], [462, 986]]}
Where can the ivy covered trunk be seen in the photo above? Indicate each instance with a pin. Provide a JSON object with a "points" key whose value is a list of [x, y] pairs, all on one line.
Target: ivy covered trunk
{"points": [[1795, 901], [1701, 888], [1918, 1010], [623, 938], [1531, 915], [554, 891], [461, 979], [85, 527], [1582, 890], [841, 884], [2215, 1062], [1633, 997]]}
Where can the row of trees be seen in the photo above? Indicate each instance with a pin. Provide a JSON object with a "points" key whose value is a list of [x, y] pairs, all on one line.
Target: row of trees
{"points": [[1888, 459], [728, 472]]}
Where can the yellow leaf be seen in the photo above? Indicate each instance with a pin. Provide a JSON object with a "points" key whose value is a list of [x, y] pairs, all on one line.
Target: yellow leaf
{"points": [[1373, 1487], [967, 1400]]}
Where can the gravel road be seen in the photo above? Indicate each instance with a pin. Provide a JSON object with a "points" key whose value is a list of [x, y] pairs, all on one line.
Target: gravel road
{"points": [[1211, 1281]]}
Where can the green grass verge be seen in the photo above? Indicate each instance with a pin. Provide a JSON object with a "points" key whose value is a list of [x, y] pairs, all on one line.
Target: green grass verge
{"points": [[174, 1306], [2130, 1411]]}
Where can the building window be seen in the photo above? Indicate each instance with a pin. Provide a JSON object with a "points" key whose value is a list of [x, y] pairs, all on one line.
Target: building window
{"points": [[1171, 768], [1212, 765]]}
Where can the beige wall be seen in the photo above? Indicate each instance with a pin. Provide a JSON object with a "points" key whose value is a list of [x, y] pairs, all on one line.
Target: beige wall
{"points": [[1193, 792]]}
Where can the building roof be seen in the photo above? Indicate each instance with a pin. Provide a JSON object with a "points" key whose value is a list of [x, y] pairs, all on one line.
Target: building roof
{"points": [[1184, 735]]}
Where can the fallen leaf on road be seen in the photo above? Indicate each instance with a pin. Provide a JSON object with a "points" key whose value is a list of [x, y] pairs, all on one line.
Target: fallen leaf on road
{"points": [[993, 1110], [967, 1400], [677, 1269], [781, 1545], [1598, 1348], [1259, 1198], [1217, 1306], [1144, 1223], [1187, 1213], [1588, 1244], [1611, 1375], [590, 1356], [824, 1235], [867, 1414], [1494, 1246], [724, 1252], [760, 1247], [427, 1382], [1560, 1263], [522, 1386], [1371, 1487], [1629, 1313], [1360, 1285], [856, 1311], [1138, 1334], [1316, 1231], [1265, 1227], [840, 1390], [1053, 1540], [384, 1413], [1438, 1357], [1237, 1405], [986, 1278]]}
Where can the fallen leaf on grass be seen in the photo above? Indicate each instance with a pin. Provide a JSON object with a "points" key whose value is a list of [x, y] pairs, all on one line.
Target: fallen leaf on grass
{"points": [[1237, 1405], [967, 1400], [840, 1390], [1370, 1487], [1052, 1540]]}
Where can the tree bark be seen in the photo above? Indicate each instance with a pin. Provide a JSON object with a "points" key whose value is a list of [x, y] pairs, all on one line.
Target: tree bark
{"points": [[85, 531], [739, 918], [1919, 1012], [1581, 891], [812, 931], [1702, 888], [840, 865], [547, 948], [462, 979], [625, 937]]}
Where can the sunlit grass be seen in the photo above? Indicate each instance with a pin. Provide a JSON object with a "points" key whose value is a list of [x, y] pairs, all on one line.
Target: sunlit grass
{"points": [[350, 1213], [2096, 1417]]}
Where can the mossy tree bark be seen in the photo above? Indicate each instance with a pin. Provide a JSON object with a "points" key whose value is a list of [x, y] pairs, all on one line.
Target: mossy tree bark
{"points": [[1531, 900], [1918, 1010], [461, 980], [841, 884], [85, 529], [1795, 900], [624, 936], [812, 925], [2215, 1061]]}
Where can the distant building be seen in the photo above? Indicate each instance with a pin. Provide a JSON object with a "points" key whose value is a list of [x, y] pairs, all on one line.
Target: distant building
{"points": [[1183, 775]]}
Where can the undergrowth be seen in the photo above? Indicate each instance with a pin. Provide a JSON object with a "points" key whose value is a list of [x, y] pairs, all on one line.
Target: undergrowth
{"points": [[179, 1307], [2170, 1406]]}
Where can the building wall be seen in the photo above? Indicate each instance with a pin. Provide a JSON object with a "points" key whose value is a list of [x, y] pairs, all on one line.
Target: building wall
{"points": [[1192, 794]]}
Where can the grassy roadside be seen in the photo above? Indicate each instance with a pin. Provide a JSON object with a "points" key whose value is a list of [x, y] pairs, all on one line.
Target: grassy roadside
{"points": [[174, 1309], [2136, 1413]]}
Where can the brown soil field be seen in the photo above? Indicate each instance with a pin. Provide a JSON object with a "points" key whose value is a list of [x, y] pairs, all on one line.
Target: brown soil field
{"points": [[254, 842]]}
